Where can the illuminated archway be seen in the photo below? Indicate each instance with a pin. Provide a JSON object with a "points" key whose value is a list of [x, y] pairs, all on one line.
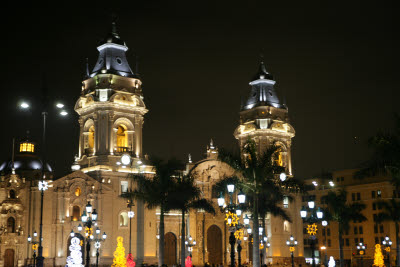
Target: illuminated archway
{"points": [[122, 138]]}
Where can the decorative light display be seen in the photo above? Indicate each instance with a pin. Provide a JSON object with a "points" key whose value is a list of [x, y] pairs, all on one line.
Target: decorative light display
{"points": [[312, 229], [75, 257], [129, 261], [231, 219], [188, 262], [119, 254], [378, 257], [43, 185], [331, 262], [239, 234]]}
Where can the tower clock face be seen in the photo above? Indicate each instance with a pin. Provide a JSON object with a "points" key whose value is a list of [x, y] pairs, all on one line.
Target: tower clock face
{"points": [[126, 159]]}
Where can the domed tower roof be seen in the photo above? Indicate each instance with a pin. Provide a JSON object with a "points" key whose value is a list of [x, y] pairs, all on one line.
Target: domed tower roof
{"points": [[25, 162], [112, 56], [262, 91]]}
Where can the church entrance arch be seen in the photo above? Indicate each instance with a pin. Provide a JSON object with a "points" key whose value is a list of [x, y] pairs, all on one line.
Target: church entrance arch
{"points": [[170, 249], [214, 245], [9, 258]]}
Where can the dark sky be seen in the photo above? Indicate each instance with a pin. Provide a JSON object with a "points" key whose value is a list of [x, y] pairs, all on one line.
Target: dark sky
{"points": [[336, 63]]}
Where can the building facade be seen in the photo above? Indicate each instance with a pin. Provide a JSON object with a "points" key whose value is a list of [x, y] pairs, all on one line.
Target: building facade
{"points": [[370, 232], [111, 111]]}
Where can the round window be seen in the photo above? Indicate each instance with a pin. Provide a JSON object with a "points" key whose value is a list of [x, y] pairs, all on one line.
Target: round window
{"points": [[119, 60]]}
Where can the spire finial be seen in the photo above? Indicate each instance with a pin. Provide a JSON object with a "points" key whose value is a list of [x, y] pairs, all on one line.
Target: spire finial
{"points": [[212, 144], [114, 19], [190, 158]]}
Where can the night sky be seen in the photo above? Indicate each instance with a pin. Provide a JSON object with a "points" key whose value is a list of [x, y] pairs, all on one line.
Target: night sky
{"points": [[334, 62]]}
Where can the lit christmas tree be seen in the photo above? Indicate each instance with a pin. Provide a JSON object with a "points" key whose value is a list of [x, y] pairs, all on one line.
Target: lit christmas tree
{"points": [[188, 262], [378, 257], [331, 262], [129, 261], [75, 256], [119, 254]]}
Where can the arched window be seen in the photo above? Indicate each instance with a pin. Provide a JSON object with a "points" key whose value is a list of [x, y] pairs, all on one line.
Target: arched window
{"points": [[12, 194], [78, 191], [122, 138], [76, 213], [91, 137], [11, 225], [123, 219]]}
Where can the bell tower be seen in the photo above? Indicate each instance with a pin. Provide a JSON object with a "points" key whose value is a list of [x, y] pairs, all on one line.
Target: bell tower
{"points": [[110, 108], [264, 119]]}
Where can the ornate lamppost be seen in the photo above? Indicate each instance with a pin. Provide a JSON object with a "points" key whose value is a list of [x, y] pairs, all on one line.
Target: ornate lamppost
{"points": [[34, 243], [361, 251], [314, 216], [232, 214], [89, 220], [291, 243], [131, 214], [190, 243], [43, 184], [387, 243]]}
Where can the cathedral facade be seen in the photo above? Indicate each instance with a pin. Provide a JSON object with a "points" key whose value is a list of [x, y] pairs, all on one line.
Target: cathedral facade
{"points": [[111, 112]]}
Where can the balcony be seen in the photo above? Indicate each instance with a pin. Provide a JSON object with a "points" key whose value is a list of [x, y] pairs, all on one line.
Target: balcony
{"points": [[121, 150]]}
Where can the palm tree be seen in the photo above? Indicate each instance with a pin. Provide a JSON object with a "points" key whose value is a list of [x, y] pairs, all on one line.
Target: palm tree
{"points": [[391, 212], [340, 211], [386, 156], [155, 191], [258, 177], [186, 196]]}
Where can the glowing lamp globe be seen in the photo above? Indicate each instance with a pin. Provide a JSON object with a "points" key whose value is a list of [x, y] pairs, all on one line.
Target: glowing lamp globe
{"points": [[246, 220], [29, 238], [303, 212], [126, 159], [311, 204], [94, 215], [320, 214], [231, 188], [324, 223], [249, 230], [239, 212], [104, 235], [221, 200], [241, 197], [89, 207], [84, 217], [282, 176]]}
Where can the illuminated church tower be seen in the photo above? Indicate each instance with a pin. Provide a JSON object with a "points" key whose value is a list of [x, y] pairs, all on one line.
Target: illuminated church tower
{"points": [[110, 108], [264, 119]]}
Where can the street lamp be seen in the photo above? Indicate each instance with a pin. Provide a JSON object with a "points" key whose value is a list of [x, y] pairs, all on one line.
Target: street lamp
{"points": [[190, 243], [361, 251], [131, 214], [89, 220], [387, 243], [233, 212], [314, 216], [291, 243], [34, 243], [43, 184]]}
